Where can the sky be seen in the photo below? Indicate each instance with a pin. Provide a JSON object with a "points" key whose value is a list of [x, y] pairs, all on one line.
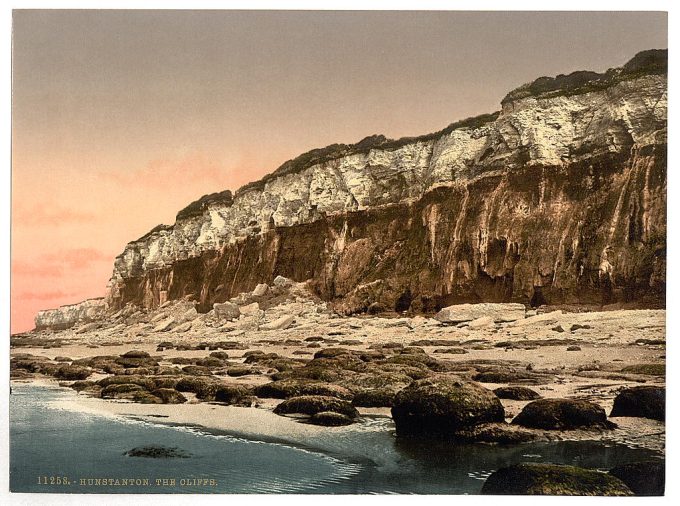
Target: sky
{"points": [[121, 118]]}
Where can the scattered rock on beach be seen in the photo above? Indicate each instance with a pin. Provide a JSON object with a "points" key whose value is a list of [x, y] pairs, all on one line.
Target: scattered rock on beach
{"points": [[260, 290], [643, 401], [226, 311], [312, 404], [517, 393], [467, 312], [169, 396], [562, 414], [443, 405], [643, 478], [279, 324], [330, 419], [157, 452], [551, 479]]}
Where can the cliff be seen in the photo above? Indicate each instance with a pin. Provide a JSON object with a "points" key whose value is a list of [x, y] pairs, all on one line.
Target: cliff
{"points": [[560, 197], [67, 316]]}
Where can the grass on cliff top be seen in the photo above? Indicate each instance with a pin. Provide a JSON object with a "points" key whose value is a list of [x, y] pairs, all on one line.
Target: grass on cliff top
{"points": [[335, 151], [650, 62]]}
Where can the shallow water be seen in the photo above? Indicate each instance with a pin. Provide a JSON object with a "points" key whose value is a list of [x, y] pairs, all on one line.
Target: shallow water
{"points": [[47, 441]]}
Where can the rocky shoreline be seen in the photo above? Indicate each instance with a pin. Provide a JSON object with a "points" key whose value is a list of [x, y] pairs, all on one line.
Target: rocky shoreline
{"points": [[486, 373]]}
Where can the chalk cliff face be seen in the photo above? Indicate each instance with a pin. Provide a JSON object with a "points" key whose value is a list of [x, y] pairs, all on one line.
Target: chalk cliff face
{"points": [[560, 198], [65, 317]]}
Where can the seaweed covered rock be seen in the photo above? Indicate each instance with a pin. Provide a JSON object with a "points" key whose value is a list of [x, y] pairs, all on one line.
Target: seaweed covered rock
{"points": [[135, 354], [294, 388], [441, 406], [130, 363], [157, 452], [203, 387], [562, 414], [313, 404], [330, 419], [231, 394], [374, 398], [73, 372], [643, 401], [142, 381], [501, 433], [551, 479], [196, 370], [512, 376], [169, 396], [144, 397], [121, 391], [517, 393], [643, 478]]}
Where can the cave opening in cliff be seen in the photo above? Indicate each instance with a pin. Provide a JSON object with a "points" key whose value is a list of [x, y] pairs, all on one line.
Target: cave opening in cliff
{"points": [[538, 299], [403, 303]]}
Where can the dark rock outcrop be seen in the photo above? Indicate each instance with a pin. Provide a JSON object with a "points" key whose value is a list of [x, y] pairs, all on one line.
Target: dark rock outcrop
{"points": [[313, 404], [517, 393], [157, 452], [550, 479], [330, 419], [642, 401], [562, 414], [643, 478], [442, 406]]}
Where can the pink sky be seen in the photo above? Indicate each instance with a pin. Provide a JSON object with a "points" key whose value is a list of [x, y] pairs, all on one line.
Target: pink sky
{"points": [[121, 118]]}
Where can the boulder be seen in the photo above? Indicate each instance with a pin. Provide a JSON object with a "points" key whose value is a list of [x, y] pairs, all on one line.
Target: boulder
{"points": [[541, 319], [294, 388], [184, 327], [643, 401], [374, 398], [279, 324], [330, 419], [135, 354], [226, 311], [169, 396], [517, 393], [157, 452], [231, 394], [440, 406], [481, 323], [164, 325], [121, 391], [500, 433], [142, 381], [643, 478], [240, 370], [551, 479], [260, 290], [562, 414], [189, 315], [250, 309], [196, 370], [313, 404], [203, 387], [506, 312], [281, 282], [72, 372]]}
